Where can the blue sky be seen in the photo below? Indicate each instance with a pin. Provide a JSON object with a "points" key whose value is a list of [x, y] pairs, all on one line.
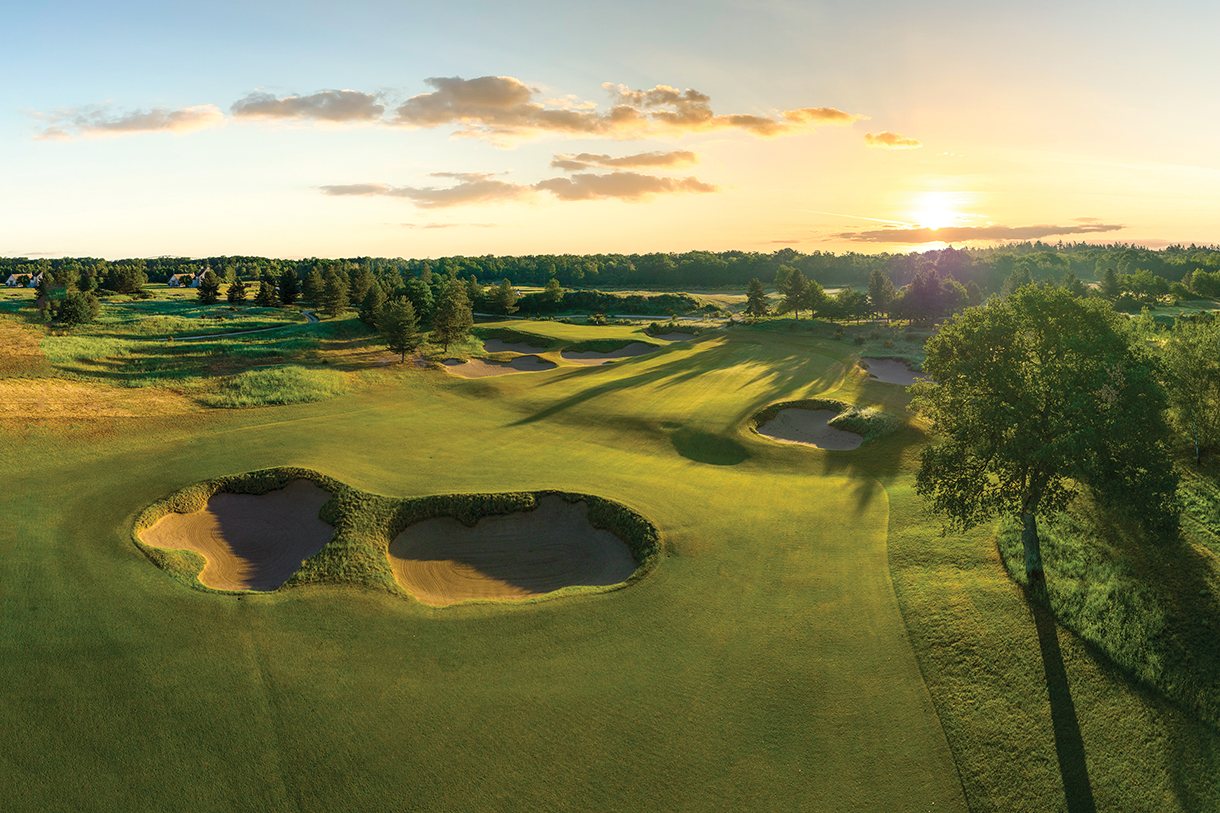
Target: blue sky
{"points": [[1070, 121]]}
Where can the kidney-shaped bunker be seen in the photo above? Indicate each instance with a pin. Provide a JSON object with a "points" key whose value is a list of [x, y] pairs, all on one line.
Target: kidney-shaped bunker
{"points": [[509, 556], [250, 542]]}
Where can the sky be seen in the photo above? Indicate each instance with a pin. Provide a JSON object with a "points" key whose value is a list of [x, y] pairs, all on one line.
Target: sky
{"points": [[402, 129]]}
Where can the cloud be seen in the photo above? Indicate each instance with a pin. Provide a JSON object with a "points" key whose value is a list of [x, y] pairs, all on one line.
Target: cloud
{"points": [[92, 122], [479, 188], [891, 141], [325, 105], [620, 185], [962, 234], [502, 107], [586, 160]]}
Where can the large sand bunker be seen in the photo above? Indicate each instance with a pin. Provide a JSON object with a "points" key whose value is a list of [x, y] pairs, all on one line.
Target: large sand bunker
{"points": [[501, 346], [250, 542], [479, 368], [810, 427], [594, 357], [890, 371], [508, 557]]}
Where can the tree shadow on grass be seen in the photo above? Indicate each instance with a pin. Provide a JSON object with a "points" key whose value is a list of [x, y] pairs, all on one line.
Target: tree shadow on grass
{"points": [[1069, 744]]}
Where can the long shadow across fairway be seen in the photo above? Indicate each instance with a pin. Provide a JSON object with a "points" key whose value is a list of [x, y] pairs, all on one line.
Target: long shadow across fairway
{"points": [[1069, 744]]}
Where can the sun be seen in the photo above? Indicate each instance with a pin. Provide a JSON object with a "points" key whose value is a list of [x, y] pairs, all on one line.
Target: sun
{"points": [[934, 210]]}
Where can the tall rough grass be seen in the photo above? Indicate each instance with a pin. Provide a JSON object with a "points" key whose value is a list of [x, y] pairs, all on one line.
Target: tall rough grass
{"points": [[277, 385]]}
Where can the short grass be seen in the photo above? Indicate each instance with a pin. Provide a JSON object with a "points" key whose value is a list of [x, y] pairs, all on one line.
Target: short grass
{"points": [[809, 640]]}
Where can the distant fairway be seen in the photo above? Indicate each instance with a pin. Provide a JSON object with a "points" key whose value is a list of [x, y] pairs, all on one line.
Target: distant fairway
{"points": [[763, 666]]}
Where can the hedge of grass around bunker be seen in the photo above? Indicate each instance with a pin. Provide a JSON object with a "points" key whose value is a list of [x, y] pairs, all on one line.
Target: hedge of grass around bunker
{"points": [[867, 422], [365, 524]]}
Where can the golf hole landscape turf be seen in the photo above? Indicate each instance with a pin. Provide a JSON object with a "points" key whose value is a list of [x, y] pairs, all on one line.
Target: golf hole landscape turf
{"points": [[514, 556], [810, 427], [250, 541]]}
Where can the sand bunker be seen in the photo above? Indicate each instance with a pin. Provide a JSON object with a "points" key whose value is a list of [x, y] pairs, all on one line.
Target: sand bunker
{"points": [[250, 542], [676, 337], [500, 346], [810, 428], [478, 368], [890, 371], [594, 357], [509, 557]]}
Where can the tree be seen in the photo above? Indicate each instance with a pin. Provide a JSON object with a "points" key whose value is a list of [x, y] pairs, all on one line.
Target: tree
{"points": [[373, 305], [453, 318], [552, 294], [1017, 280], [505, 298], [289, 288], [815, 299], [756, 299], [334, 296], [237, 292], [880, 291], [78, 308], [314, 287], [1033, 397], [266, 296], [1109, 284], [420, 295], [974, 296], [398, 326], [793, 288], [1192, 366], [209, 288]]}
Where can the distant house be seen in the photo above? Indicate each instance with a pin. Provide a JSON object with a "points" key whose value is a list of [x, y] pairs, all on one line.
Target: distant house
{"points": [[14, 280], [186, 280]]}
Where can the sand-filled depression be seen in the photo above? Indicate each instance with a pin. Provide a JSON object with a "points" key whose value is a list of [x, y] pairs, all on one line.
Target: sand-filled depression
{"points": [[508, 557], [250, 542]]}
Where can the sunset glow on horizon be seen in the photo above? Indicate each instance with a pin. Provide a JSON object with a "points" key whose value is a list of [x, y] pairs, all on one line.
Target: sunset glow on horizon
{"points": [[285, 130]]}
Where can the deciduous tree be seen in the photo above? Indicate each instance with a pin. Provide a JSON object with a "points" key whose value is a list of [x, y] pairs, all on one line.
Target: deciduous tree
{"points": [[1032, 397]]}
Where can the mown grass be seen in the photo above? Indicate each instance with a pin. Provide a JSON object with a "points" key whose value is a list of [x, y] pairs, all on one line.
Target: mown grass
{"points": [[809, 640]]}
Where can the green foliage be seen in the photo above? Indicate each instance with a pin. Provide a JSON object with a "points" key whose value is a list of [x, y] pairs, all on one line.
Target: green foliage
{"points": [[1192, 366], [237, 292], [77, 309], [504, 298], [552, 293], [276, 385], [266, 296], [453, 318], [314, 287], [795, 288], [756, 299], [289, 286], [372, 305], [335, 295], [881, 291], [399, 327], [209, 288], [1032, 396]]}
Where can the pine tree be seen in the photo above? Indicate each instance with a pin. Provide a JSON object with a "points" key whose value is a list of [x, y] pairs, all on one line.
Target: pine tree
{"points": [[1109, 284], [453, 318], [266, 297], [334, 297], [398, 326], [237, 292], [290, 288], [209, 288], [973, 293], [756, 299], [880, 291], [506, 298], [314, 287], [794, 292], [372, 306]]}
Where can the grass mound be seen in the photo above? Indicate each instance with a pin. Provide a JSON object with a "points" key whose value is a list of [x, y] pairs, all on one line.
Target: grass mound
{"points": [[868, 422], [1149, 605], [365, 524], [278, 385]]}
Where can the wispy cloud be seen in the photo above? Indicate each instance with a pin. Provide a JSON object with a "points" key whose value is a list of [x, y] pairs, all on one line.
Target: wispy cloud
{"points": [[325, 105], [586, 160], [481, 188], [64, 125], [963, 234], [891, 141], [503, 107]]}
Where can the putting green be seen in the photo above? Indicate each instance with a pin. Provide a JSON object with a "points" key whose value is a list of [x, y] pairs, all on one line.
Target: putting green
{"points": [[764, 665]]}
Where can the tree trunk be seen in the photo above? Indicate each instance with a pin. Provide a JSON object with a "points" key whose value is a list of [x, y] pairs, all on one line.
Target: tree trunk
{"points": [[1033, 550]]}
